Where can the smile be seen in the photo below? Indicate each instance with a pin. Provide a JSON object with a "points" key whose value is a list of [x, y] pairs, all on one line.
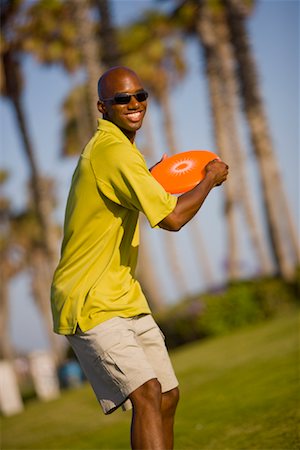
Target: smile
{"points": [[135, 116]]}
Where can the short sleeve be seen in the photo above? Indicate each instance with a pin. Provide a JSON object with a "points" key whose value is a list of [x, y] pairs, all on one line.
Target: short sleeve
{"points": [[123, 177]]}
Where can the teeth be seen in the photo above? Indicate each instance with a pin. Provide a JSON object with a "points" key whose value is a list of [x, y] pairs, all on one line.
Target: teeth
{"points": [[134, 115]]}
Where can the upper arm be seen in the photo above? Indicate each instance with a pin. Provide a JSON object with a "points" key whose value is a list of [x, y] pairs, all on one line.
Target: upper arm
{"points": [[123, 177]]}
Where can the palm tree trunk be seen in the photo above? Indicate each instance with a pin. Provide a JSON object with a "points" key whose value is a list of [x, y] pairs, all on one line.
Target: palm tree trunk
{"points": [[39, 196], [280, 223], [81, 112], [164, 102], [168, 240], [174, 260], [6, 351], [148, 144], [194, 237], [237, 161], [201, 254], [110, 53], [207, 37], [146, 273], [41, 278], [40, 193], [87, 41], [8, 269]]}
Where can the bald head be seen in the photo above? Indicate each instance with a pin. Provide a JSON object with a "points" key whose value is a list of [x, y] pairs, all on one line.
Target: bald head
{"points": [[128, 115], [112, 78]]}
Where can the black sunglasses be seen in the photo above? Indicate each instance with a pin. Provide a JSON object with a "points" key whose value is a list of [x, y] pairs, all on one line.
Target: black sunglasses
{"points": [[124, 98]]}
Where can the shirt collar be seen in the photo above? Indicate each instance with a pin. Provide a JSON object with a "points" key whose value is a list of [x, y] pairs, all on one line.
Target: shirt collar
{"points": [[110, 127]]}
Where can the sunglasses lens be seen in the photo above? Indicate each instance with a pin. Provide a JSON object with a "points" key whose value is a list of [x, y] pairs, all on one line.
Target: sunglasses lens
{"points": [[122, 99], [141, 96]]}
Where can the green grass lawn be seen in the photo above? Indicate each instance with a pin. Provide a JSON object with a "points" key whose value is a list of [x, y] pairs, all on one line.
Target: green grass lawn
{"points": [[238, 391]]}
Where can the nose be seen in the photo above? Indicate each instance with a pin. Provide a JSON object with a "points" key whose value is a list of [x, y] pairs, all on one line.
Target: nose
{"points": [[133, 104]]}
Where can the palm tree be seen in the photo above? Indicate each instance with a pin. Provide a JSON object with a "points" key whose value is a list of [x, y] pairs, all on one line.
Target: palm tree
{"points": [[40, 276], [25, 241], [147, 274], [90, 52], [202, 255], [20, 238], [50, 34], [280, 223], [8, 267], [13, 91], [77, 127], [226, 71], [110, 50], [41, 200], [160, 64], [186, 12], [206, 32]]}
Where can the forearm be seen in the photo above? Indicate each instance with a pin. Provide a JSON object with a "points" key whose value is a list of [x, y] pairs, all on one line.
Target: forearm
{"points": [[188, 205]]}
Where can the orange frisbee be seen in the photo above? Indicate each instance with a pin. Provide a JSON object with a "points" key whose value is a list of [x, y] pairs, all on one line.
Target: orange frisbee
{"points": [[182, 172]]}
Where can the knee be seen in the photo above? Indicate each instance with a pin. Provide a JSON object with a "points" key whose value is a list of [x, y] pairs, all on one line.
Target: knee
{"points": [[170, 400], [147, 394], [152, 390]]}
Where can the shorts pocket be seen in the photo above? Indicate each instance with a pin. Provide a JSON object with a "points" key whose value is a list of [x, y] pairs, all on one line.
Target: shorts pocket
{"points": [[105, 343]]}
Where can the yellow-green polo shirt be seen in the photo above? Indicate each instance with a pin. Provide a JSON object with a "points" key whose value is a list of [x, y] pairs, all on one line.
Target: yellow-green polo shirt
{"points": [[95, 278]]}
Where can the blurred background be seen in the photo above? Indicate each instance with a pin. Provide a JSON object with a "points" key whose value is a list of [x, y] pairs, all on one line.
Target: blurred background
{"points": [[223, 75]]}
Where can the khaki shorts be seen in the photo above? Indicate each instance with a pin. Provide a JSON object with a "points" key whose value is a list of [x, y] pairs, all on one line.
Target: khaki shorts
{"points": [[120, 355]]}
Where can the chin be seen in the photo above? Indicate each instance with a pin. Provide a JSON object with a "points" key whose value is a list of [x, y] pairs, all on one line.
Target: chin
{"points": [[133, 128]]}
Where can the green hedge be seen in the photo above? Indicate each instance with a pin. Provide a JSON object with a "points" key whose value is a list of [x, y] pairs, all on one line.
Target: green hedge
{"points": [[238, 304]]}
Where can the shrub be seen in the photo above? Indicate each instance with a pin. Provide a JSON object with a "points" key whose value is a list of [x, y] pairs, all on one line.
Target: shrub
{"points": [[241, 303], [232, 309]]}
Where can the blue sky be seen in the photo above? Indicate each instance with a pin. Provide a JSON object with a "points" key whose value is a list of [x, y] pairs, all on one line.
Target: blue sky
{"points": [[274, 32]]}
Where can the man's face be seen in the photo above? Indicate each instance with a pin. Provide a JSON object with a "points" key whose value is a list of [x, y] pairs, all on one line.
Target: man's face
{"points": [[127, 117]]}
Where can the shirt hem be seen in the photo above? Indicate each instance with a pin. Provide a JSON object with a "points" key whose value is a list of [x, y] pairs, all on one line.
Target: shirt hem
{"points": [[86, 327]]}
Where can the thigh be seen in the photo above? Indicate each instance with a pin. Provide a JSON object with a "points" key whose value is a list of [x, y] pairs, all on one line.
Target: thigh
{"points": [[152, 340], [113, 361]]}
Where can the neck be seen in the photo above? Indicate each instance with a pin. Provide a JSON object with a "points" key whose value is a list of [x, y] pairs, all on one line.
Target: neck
{"points": [[129, 134]]}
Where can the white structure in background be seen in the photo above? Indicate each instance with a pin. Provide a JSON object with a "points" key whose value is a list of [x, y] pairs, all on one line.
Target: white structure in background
{"points": [[44, 376], [10, 397]]}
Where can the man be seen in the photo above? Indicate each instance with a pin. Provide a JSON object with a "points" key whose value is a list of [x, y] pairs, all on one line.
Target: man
{"points": [[96, 299]]}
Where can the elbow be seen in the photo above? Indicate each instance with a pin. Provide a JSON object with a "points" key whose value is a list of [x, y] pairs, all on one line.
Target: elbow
{"points": [[171, 223], [176, 227], [170, 228], [173, 228]]}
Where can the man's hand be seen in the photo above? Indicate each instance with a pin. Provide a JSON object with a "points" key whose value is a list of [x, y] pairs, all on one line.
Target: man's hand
{"points": [[189, 203], [217, 169], [164, 156]]}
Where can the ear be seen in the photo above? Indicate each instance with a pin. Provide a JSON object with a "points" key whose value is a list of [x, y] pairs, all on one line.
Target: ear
{"points": [[101, 107]]}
